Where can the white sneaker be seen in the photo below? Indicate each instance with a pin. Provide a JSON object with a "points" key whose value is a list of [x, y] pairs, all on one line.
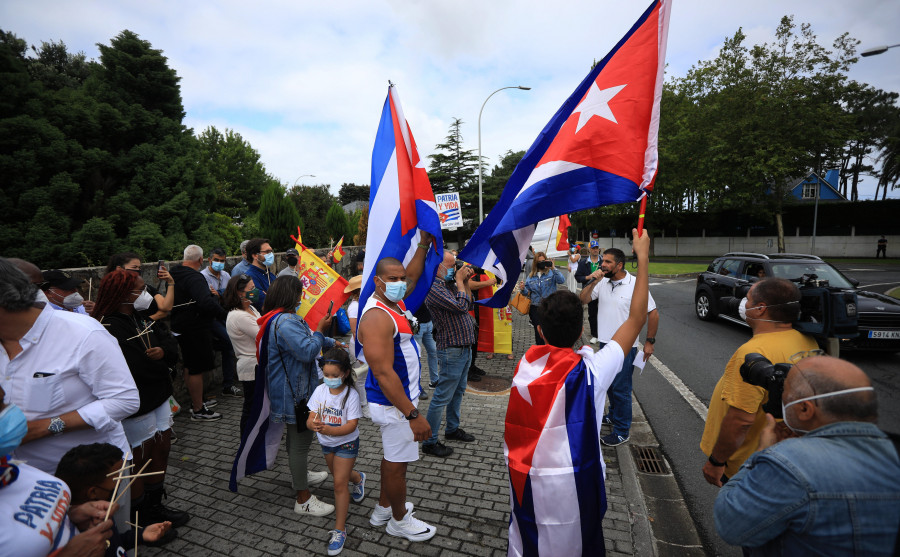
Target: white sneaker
{"points": [[593, 340], [315, 478], [313, 507], [382, 515], [411, 528]]}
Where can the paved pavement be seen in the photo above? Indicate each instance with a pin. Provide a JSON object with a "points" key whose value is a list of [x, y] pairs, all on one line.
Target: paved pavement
{"points": [[465, 495]]}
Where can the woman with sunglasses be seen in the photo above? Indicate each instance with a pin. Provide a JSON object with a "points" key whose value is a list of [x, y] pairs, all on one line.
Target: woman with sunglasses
{"points": [[149, 353], [242, 327], [161, 305], [287, 351]]}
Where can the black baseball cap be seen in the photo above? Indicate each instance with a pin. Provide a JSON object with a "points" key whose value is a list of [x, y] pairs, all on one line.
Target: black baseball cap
{"points": [[61, 279]]}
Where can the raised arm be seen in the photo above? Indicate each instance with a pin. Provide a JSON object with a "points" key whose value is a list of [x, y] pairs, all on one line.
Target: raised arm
{"points": [[637, 312], [417, 264]]}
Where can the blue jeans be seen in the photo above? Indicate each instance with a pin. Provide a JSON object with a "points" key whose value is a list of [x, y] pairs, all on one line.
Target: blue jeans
{"points": [[451, 385], [222, 343], [620, 396], [425, 339]]}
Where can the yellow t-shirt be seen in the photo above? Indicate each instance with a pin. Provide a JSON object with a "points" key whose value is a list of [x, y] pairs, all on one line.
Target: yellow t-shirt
{"points": [[731, 390]]}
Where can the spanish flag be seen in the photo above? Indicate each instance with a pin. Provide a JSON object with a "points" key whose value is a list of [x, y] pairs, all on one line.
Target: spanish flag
{"points": [[562, 233], [494, 327], [321, 285], [338, 253]]}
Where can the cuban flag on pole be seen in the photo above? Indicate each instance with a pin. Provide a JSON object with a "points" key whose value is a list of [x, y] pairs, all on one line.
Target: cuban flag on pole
{"points": [[552, 447], [600, 148], [401, 204]]}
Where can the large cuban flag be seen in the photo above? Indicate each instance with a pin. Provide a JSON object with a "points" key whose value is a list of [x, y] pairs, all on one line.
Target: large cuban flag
{"points": [[401, 204], [600, 148], [552, 448]]}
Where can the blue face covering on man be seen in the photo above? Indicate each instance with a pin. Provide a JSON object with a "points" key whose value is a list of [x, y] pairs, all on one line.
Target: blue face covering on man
{"points": [[217, 266], [394, 291]]}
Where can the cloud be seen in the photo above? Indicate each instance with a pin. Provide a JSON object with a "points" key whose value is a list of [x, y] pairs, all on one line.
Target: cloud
{"points": [[305, 82]]}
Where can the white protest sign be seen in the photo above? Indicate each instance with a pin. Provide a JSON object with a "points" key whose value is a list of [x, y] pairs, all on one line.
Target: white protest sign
{"points": [[449, 210]]}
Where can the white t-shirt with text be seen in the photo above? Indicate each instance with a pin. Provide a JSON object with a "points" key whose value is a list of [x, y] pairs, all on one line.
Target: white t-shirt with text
{"points": [[337, 410]]}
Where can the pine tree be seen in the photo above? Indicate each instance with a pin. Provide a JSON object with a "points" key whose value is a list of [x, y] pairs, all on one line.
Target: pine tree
{"points": [[455, 169], [278, 217]]}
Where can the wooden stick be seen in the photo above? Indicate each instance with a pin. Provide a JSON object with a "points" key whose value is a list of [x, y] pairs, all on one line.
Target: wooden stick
{"points": [[116, 489], [142, 475], [142, 333], [136, 530], [90, 286], [117, 471], [149, 460]]}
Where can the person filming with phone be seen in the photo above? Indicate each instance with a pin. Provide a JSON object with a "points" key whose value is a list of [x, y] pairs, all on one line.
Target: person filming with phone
{"points": [[541, 282]]}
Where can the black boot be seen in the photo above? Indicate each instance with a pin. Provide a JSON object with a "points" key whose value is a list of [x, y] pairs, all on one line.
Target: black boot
{"points": [[153, 511]]}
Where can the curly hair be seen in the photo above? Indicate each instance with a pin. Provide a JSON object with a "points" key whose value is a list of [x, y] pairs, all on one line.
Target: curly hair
{"points": [[114, 289], [86, 466]]}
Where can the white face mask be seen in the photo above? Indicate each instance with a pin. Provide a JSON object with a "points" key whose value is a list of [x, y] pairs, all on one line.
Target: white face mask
{"points": [[742, 311], [784, 406], [73, 300], [41, 297], [143, 301]]}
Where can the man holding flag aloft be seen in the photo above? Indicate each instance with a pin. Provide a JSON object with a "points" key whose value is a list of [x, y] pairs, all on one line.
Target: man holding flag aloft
{"points": [[552, 437]]}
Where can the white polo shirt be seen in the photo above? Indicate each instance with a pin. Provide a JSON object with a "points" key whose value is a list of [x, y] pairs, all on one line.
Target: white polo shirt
{"points": [[69, 362], [614, 303]]}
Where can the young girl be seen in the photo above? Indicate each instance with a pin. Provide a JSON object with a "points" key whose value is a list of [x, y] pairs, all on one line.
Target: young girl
{"points": [[334, 414]]}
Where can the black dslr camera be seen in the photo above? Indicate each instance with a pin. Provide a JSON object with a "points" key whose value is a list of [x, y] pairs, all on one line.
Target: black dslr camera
{"points": [[546, 264], [759, 371]]}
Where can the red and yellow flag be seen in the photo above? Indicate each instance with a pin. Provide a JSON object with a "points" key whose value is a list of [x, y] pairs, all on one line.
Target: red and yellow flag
{"points": [[321, 285], [494, 325], [338, 253], [562, 233]]}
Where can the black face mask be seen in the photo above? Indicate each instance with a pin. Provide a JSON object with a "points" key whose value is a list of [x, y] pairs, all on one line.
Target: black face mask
{"points": [[292, 261]]}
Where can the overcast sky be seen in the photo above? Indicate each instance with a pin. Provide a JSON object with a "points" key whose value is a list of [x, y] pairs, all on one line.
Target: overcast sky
{"points": [[304, 82]]}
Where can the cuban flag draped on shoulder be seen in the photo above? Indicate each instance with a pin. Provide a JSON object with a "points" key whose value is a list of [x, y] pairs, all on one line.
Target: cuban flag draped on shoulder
{"points": [[401, 204], [600, 148], [551, 442]]}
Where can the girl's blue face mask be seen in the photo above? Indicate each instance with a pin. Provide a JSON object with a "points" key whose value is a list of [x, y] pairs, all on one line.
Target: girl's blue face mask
{"points": [[333, 382]]}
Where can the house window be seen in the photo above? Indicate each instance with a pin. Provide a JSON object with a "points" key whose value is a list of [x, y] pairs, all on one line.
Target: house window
{"points": [[809, 191]]}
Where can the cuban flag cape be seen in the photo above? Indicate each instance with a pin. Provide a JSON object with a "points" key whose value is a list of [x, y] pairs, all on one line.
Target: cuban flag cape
{"points": [[261, 438], [600, 148], [401, 204], [552, 448]]}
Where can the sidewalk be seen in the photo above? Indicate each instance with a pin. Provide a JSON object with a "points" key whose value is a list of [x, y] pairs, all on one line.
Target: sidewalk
{"points": [[466, 495]]}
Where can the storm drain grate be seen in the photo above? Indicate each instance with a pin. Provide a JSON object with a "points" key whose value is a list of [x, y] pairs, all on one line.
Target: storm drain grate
{"points": [[648, 460]]}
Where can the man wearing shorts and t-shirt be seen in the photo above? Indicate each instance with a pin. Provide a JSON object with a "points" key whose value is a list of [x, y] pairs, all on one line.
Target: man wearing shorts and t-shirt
{"points": [[392, 388]]}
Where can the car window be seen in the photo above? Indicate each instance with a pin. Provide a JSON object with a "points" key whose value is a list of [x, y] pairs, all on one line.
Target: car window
{"points": [[714, 266], [731, 268], [754, 270], [824, 271]]}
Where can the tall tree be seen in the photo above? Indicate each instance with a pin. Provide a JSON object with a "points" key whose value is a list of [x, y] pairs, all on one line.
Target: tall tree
{"points": [[336, 223], [492, 186], [234, 166], [353, 192], [278, 217], [455, 169], [313, 203]]}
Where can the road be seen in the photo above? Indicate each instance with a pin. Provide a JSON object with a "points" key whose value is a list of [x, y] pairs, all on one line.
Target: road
{"points": [[696, 352]]}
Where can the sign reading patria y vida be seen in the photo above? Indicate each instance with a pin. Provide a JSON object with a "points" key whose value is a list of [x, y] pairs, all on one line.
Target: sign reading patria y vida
{"points": [[449, 210]]}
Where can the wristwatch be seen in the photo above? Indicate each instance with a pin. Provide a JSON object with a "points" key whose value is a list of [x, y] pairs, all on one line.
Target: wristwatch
{"points": [[413, 415], [651, 340], [56, 426], [715, 462]]}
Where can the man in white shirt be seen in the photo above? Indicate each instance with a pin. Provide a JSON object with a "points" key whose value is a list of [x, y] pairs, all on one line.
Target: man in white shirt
{"points": [[612, 286], [61, 289], [64, 371]]}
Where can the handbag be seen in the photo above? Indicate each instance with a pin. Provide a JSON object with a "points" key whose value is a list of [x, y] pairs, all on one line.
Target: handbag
{"points": [[301, 409], [521, 302], [343, 322]]}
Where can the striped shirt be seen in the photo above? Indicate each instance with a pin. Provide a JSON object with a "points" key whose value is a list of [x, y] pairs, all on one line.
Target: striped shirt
{"points": [[453, 325], [406, 355]]}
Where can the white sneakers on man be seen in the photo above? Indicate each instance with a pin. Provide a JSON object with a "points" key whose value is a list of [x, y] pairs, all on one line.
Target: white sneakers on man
{"points": [[381, 515], [410, 528], [313, 507]]}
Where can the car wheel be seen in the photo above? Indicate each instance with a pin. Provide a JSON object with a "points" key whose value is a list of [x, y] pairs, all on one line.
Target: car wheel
{"points": [[704, 307]]}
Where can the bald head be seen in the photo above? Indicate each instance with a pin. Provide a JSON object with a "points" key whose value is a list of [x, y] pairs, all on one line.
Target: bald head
{"points": [[387, 264], [30, 269], [821, 375]]}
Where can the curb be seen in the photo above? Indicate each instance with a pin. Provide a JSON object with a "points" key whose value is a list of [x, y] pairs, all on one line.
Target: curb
{"points": [[678, 275]]}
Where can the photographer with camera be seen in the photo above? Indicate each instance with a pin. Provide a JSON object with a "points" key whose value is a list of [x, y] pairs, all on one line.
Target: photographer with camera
{"points": [[833, 491], [541, 282], [736, 418]]}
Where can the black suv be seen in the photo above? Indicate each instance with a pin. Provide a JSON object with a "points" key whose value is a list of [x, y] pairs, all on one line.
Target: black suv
{"points": [[878, 315]]}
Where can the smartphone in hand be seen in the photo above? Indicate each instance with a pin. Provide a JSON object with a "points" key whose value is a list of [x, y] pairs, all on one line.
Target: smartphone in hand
{"points": [[330, 307]]}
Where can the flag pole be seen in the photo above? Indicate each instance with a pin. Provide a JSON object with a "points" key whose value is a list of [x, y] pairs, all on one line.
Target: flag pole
{"points": [[643, 210], [552, 226]]}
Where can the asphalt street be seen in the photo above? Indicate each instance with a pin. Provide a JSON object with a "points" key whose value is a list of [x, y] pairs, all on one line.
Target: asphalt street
{"points": [[696, 352]]}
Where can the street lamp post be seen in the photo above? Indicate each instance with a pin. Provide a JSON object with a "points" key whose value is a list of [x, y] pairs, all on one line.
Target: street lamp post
{"points": [[877, 50], [302, 176], [480, 202]]}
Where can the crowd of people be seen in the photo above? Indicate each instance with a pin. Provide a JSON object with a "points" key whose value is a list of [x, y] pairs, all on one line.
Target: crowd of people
{"points": [[76, 415]]}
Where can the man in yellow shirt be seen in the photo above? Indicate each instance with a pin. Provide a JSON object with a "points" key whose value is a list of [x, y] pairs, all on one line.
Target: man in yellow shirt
{"points": [[735, 418]]}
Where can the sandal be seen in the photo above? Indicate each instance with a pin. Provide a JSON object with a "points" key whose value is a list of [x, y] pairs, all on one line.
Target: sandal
{"points": [[489, 356]]}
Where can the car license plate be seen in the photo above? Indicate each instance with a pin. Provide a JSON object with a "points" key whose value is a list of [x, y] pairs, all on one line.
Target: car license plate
{"points": [[884, 334]]}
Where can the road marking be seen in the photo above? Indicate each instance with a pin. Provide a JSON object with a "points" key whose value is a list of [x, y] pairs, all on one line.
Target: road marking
{"points": [[878, 284], [679, 385]]}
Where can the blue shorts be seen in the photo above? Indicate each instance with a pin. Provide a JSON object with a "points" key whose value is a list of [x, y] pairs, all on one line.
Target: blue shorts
{"points": [[344, 450]]}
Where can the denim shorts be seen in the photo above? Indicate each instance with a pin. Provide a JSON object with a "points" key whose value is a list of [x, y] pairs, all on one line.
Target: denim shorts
{"points": [[344, 450]]}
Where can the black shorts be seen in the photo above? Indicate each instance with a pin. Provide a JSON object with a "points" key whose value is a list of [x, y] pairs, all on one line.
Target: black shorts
{"points": [[197, 351]]}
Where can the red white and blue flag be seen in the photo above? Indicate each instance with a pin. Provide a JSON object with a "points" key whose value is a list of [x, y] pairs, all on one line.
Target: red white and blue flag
{"points": [[600, 148], [261, 437], [552, 448], [401, 204]]}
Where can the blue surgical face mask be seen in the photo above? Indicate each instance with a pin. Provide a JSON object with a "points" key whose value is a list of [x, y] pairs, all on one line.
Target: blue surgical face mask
{"points": [[333, 382], [13, 427], [217, 266], [269, 260], [394, 291]]}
